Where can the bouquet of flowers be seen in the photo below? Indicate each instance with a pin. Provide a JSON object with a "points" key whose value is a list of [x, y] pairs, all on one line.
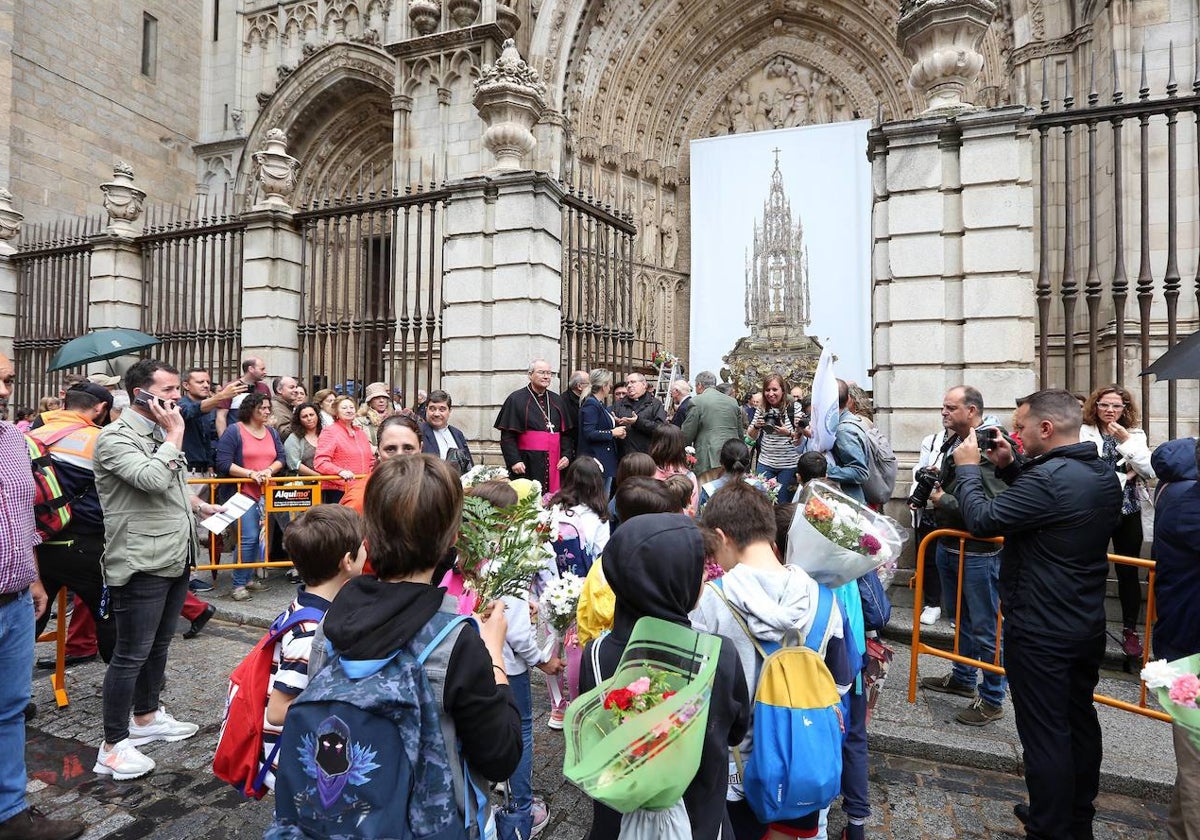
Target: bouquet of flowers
{"points": [[689, 454], [662, 357], [560, 599], [764, 485], [1177, 687], [480, 474], [634, 742], [837, 539], [502, 550]]}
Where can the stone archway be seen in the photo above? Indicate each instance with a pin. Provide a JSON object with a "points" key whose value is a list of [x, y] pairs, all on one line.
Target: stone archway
{"points": [[336, 110]]}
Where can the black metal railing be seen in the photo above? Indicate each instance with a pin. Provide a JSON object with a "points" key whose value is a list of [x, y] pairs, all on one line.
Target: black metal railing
{"points": [[597, 288], [1082, 223], [371, 291]]}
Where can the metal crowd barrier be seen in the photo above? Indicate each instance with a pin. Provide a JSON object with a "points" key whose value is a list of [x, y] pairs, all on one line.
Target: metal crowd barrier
{"points": [[298, 494], [919, 647]]}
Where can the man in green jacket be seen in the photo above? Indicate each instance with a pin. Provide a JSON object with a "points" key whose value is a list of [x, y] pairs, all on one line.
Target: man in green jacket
{"points": [[150, 540], [713, 419]]}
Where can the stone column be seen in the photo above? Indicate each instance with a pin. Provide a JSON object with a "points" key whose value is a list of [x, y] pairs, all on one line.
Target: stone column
{"points": [[953, 266], [501, 292], [271, 254], [115, 287], [10, 228]]}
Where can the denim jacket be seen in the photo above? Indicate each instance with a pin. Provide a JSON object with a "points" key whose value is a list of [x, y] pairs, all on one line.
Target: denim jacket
{"points": [[148, 520]]}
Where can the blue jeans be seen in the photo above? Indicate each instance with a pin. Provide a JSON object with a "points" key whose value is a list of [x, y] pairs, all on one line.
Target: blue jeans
{"points": [[520, 784], [856, 799], [16, 666], [146, 610], [977, 624], [786, 478], [251, 543]]}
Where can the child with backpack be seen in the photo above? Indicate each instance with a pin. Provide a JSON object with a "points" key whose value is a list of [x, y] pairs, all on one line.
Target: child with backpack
{"points": [[655, 566], [582, 515], [414, 697], [756, 604], [324, 543]]}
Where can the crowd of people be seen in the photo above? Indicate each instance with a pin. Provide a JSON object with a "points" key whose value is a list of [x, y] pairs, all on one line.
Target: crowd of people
{"points": [[651, 503]]}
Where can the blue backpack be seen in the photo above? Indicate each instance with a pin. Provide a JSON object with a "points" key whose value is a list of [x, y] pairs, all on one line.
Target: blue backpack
{"points": [[362, 753], [569, 551], [795, 767]]}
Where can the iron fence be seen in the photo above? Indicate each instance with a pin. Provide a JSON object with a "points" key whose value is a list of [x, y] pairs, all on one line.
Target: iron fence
{"points": [[53, 270], [371, 291], [1084, 222], [597, 288], [192, 288]]}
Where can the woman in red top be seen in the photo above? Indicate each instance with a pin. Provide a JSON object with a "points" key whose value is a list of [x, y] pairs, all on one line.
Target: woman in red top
{"points": [[250, 449], [344, 449]]}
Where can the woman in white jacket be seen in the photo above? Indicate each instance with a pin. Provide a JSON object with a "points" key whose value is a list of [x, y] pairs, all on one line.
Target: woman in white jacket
{"points": [[1110, 418]]}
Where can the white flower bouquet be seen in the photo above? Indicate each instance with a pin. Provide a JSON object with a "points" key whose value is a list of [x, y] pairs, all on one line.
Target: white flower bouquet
{"points": [[837, 539]]}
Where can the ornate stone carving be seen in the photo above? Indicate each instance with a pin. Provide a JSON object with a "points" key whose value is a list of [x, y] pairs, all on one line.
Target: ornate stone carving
{"points": [[425, 15], [649, 235], [463, 12], [276, 172], [10, 223], [510, 97], [783, 94], [942, 38], [670, 237], [122, 201], [507, 19]]}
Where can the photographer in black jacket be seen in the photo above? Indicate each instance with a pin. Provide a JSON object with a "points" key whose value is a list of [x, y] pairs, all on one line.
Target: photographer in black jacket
{"points": [[1056, 517]]}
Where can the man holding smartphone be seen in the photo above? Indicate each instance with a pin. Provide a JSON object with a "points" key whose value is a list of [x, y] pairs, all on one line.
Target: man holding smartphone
{"points": [[150, 541]]}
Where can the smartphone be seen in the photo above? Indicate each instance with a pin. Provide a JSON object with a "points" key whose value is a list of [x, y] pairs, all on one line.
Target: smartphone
{"points": [[986, 438], [145, 398]]}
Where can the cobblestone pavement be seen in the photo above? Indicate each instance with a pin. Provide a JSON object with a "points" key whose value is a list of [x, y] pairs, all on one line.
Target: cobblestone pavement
{"points": [[911, 798]]}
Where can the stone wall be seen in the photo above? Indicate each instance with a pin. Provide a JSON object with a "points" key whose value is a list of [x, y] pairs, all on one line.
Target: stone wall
{"points": [[79, 102]]}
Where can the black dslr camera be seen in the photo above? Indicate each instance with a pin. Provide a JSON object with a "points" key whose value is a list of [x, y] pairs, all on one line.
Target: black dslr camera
{"points": [[927, 479], [986, 438], [771, 418]]}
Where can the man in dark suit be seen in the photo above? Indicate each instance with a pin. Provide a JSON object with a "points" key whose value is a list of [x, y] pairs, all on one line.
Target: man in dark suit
{"points": [[439, 438], [681, 398]]}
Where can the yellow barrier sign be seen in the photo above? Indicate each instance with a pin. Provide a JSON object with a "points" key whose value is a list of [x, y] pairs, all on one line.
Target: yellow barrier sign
{"points": [[294, 496]]}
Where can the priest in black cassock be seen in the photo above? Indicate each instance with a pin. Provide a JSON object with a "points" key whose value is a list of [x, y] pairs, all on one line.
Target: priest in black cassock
{"points": [[535, 431]]}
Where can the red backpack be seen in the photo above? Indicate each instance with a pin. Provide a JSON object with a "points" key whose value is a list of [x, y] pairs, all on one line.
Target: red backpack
{"points": [[51, 507], [239, 759]]}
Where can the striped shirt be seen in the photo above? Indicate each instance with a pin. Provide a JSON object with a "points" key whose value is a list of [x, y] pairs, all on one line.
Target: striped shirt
{"points": [[289, 667], [778, 451], [18, 529]]}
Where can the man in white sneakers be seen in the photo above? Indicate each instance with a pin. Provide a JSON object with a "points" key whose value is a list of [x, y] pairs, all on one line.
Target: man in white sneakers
{"points": [[150, 539]]}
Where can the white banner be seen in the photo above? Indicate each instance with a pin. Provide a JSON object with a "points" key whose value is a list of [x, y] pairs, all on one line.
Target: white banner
{"points": [[825, 411]]}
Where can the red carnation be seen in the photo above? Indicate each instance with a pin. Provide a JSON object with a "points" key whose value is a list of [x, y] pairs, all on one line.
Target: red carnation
{"points": [[621, 698]]}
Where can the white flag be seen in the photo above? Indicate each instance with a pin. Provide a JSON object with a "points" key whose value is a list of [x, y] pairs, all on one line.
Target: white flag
{"points": [[825, 411]]}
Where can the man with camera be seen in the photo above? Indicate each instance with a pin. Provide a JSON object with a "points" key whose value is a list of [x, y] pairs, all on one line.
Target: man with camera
{"points": [[1056, 517], [439, 438], [962, 417]]}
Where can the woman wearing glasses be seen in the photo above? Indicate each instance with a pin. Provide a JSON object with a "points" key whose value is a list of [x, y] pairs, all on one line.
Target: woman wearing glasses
{"points": [[1110, 419]]}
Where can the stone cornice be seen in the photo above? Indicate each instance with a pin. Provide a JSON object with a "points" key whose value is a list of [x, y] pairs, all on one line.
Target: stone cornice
{"points": [[441, 42], [1058, 46]]}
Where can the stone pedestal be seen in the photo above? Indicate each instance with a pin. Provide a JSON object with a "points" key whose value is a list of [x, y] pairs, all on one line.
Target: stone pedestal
{"points": [[952, 268], [271, 253], [115, 287], [501, 292], [8, 304]]}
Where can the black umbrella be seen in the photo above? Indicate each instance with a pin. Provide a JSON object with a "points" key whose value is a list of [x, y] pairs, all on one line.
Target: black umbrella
{"points": [[100, 345], [1180, 362]]}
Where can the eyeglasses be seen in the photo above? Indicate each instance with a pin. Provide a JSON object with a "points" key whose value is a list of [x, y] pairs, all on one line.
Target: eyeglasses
{"points": [[1110, 406]]}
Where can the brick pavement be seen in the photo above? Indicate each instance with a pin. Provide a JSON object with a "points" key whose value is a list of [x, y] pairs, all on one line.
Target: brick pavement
{"points": [[912, 798]]}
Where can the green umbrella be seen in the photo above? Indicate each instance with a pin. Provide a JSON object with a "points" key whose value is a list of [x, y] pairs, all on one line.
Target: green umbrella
{"points": [[100, 345]]}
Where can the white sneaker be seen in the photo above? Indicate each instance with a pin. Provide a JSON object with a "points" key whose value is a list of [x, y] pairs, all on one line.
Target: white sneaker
{"points": [[123, 761], [930, 615], [162, 728]]}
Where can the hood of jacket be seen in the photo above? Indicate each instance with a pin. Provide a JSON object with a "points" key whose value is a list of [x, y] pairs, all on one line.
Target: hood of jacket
{"points": [[772, 601], [371, 619], [655, 566], [1175, 460]]}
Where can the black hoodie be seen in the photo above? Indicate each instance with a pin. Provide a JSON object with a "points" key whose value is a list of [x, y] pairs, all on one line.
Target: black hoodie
{"points": [[1176, 538], [655, 566], [370, 619]]}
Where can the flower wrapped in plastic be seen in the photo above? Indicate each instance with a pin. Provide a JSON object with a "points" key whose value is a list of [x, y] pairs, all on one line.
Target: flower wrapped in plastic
{"points": [[635, 740], [501, 551], [480, 474], [1177, 686], [837, 539]]}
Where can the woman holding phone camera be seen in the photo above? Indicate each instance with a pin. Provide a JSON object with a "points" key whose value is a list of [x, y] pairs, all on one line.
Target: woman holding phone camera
{"points": [[774, 430], [1110, 418], [250, 449]]}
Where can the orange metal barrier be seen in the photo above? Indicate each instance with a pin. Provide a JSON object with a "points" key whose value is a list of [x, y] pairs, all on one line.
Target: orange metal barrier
{"points": [[919, 647], [214, 564], [58, 680]]}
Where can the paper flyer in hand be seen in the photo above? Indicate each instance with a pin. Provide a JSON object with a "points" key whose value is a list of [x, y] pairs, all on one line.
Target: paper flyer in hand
{"points": [[235, 507]]}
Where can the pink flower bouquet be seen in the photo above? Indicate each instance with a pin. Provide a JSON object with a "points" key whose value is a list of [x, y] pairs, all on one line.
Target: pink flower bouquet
{"points": [[1177, 687]]}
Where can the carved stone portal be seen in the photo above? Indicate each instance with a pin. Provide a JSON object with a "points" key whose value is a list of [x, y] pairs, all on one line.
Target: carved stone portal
{"points": [[783, 94]]}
